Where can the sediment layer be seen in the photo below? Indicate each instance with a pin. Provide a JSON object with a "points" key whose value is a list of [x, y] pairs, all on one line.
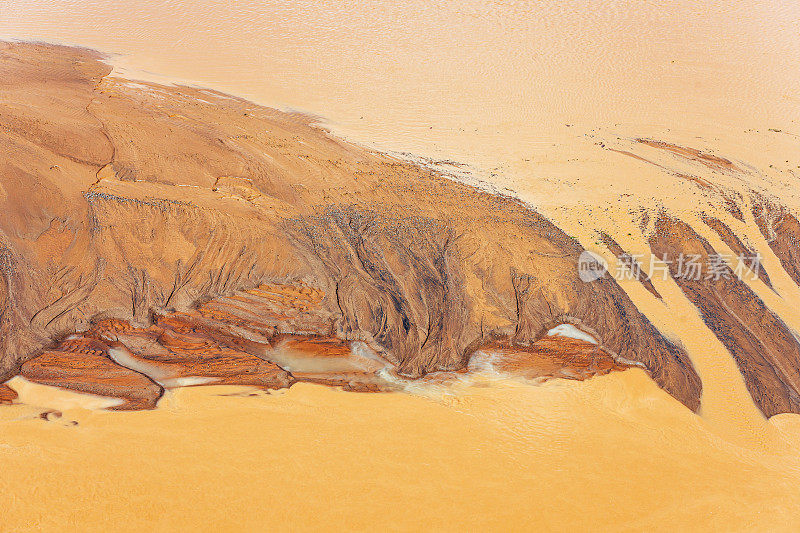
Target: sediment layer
{"points": [[207, 236], [765, 349], [554, 356], [115, 359], [7, 394]]}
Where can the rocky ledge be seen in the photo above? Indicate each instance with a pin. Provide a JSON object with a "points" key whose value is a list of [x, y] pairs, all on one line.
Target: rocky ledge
{"points": [[250, 338]]}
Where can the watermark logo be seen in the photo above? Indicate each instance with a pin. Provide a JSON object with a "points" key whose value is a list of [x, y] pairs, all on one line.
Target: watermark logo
{"points": [[591, 266], [688, 267]]}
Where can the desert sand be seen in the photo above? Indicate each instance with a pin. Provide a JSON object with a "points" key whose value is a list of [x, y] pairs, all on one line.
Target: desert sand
{"points": [[694, 435]]}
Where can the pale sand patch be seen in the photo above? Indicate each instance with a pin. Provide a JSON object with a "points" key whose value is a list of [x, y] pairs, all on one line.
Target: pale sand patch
{"points": [[568, 330], [46, 396]]}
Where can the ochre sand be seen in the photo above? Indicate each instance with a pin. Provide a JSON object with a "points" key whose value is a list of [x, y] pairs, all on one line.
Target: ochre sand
{"points": [[612, 452]]}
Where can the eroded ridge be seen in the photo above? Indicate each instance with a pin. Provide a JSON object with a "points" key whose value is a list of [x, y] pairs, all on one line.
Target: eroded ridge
{"points": [[268, 337], [177, 195], [235, 244], [782, 231], [764, 347]]}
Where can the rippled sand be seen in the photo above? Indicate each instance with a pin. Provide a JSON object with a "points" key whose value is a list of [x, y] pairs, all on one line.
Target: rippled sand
{"points": [[523, 96], [612, 452]]}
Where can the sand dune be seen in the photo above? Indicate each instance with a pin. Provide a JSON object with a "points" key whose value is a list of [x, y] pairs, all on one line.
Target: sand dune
{"points": [[157, 237], [420, 268], [152, 199]]}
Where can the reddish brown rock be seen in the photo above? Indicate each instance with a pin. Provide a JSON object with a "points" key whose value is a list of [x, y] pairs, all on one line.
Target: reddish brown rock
{"points": [[7, 394], [222, 350], [174, 359], [554, 357], [83, 365], [191, 340], [281, 308], [331, 361]]}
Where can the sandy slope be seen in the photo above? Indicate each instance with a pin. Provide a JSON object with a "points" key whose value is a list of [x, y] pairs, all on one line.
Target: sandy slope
{"points": [[122, 210], [193, 195], [150, 198]]}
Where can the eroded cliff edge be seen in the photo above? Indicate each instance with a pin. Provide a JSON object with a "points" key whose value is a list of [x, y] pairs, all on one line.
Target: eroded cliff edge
{"points": [[133, 200]]}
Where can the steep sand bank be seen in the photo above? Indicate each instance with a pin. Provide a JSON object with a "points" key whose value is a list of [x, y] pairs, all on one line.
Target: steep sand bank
{"points": [[179, 195], [547, 101], [184, 231], [149, 199]]}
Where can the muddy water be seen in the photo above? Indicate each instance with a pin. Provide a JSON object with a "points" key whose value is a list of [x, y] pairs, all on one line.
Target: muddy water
{"points": [[529, 95]]}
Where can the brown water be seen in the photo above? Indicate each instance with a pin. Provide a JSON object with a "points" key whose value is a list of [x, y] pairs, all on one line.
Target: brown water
{"points": [[522, 92]]}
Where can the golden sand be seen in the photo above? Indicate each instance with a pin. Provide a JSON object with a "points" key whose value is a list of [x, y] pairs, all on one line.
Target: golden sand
{"points": [[524, 96], [613, 452]]}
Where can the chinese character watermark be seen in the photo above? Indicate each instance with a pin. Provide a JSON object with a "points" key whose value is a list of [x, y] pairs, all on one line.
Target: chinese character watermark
{"points": [[688, 267]]}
